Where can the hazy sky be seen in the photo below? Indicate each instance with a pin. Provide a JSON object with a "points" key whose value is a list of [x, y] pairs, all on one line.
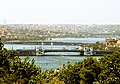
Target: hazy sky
{"points": [[60, 11]]}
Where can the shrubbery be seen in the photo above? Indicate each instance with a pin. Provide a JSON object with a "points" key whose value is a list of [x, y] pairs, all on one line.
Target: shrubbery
{"points": [[106, 70], [13, 70]]}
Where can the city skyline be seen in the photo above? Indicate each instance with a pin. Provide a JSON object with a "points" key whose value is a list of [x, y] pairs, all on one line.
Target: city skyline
{"points": [[59, 12]]}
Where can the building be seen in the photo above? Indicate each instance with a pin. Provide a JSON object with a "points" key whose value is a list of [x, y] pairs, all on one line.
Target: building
{"points": [[111, 43], [118, 43]]}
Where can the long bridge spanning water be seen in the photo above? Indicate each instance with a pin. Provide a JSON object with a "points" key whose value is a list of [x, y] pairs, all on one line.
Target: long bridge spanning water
{"points": [[43, 43], [41, 52]]}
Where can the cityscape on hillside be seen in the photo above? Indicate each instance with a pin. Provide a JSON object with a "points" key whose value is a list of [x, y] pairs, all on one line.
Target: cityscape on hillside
{"points": [[45, 31]]}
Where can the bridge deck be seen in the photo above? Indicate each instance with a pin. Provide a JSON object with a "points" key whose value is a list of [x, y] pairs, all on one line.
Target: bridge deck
{"points": [[33, 52], [63, 50]]}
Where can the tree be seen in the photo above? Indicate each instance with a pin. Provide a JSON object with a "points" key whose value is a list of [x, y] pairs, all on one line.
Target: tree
{"points": [[69, 74], [86, 72], [110, 65], [90, 70], [1, 44], [12, 69]]}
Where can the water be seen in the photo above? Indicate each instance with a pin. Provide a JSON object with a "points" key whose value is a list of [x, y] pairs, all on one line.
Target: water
{"points": [[52, 62], [79, 40]]}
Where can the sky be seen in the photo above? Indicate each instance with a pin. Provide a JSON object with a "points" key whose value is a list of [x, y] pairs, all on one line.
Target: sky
{"points": [[60, 11]]}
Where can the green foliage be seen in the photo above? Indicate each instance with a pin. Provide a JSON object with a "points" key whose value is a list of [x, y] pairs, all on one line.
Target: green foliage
{"points": [[69, 74], [90, 70], [110, 69], [81, 72], [13, 70], [106, 70]]}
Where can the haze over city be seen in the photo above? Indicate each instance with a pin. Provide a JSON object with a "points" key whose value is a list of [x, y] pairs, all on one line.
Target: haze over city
{"points": [[59, 11]]}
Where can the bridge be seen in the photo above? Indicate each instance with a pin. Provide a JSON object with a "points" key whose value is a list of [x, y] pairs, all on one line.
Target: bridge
{"points": [[42, 43], [81, 52], [39, 51], [52, 50]]}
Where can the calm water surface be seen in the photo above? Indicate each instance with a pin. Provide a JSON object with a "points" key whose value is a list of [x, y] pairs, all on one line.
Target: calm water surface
{"points": [[53, 62], [79, 40]]}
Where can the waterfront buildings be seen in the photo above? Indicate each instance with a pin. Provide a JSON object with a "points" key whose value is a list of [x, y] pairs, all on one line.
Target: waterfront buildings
{"points": [[111, 43]]}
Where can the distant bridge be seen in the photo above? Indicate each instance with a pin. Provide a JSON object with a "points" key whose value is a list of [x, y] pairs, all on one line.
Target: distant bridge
{"points": [[43, 43]]}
